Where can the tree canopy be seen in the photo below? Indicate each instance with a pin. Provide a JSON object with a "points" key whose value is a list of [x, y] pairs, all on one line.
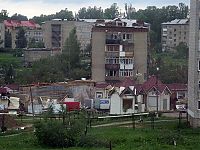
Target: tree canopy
{"points": [[21, 41]]}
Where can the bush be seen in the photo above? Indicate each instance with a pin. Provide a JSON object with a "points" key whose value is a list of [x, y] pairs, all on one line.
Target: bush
{"points": [[54, 133], [51, 133]]}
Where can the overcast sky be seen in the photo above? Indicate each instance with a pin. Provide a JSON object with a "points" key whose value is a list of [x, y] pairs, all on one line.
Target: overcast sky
{"points": [[32, 8]]}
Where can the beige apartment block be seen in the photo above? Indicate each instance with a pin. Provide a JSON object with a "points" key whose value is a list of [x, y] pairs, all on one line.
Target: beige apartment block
{"points": [[173, 33], [57, 31], [119, 50], [194, 65]]}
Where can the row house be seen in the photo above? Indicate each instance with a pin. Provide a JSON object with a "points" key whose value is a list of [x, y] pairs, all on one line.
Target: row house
{"points": [[32, 30], [128, 96]]}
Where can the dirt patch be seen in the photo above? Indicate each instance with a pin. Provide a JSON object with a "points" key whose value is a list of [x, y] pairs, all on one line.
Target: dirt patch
{"points": [[9, 121]]}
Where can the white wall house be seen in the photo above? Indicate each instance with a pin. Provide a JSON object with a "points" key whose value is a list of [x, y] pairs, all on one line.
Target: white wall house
{"points": [[122, 101], [163, 98]]}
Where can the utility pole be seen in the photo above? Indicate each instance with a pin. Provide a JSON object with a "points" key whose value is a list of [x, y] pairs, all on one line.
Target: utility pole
{"points": [[157, 92], [31, 96]]}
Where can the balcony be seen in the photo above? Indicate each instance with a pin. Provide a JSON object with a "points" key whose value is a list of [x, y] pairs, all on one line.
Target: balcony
{"points": [[112, 66], [110, 78], [112, 54], [113, 41]]}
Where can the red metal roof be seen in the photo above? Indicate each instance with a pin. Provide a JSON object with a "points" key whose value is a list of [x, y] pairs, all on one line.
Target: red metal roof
{"points": [[154, 82], [102, 85], [177, 87], [3, 90], [17, 23]]}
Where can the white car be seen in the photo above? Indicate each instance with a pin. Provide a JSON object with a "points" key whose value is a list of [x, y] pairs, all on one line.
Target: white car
{"points": [[181, 107]]}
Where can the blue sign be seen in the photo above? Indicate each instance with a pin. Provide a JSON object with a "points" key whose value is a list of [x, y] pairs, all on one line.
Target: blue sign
{"points": [[104, 101]]}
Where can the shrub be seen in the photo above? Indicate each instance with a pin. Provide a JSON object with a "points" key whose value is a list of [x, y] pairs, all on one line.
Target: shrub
{"points": [[51, 133], [54, 133]]}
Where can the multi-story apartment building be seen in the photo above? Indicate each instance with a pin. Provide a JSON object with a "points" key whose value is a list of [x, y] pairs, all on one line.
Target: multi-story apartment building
{"points": [[57, 31], [194, 65], [173, 33], [30, 27], [35, 34], [2, 35], [119, 50]]}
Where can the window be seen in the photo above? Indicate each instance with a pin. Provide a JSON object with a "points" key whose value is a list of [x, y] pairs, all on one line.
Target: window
{"points": [[99, 94], [198, 65], [199, 104], [174, 35], [127, 104], [128, 36], [174, 30], [199, 84]]}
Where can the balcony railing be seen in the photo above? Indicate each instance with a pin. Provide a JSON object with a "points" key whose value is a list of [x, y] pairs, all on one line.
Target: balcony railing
{"points": [[113, 41], [112, 78], [112, 66]]}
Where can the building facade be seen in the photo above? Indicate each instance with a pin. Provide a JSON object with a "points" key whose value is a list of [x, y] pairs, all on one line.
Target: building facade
{"points": [[173, 33], [119, 50], [2, 35], [35, 54], [32, 30], [57, 31], [194, 65]]}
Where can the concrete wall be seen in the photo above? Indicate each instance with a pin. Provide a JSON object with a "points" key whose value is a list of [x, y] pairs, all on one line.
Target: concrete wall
{"points": [[98, 56], [194, 58], [140, 55], [35, 54], [115, 104], [83, 30]]}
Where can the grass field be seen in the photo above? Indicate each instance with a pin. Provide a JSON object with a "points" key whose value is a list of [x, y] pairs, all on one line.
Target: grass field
{"points": [[8, 58], [163, 137]]}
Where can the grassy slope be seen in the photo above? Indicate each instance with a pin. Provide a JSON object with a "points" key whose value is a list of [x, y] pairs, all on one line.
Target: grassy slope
{"points": [[122, 139], [7, 58]]}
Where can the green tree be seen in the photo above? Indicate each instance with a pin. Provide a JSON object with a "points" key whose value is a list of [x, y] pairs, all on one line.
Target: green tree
{"points": [[8, 39], [63, 14], [71, 50], [3, 15], [10, 75], [112, 12], [21, 41], [182, 50], [19, 17], [90, 13]]}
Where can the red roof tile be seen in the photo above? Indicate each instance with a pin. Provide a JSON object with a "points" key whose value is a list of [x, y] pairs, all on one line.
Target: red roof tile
{"points": [[153, 81], [102, 85], [3, 90], [17, 23], [177, 87]]}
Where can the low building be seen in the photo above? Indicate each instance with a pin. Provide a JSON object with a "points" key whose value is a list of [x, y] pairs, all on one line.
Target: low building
{"points": [[156, 95], [34, 54], [179, 94], [173, 33], [32, 30]]}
